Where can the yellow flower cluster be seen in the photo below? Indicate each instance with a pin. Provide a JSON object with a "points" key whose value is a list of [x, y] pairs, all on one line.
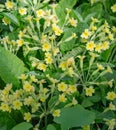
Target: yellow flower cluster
{"points": [[98, 39], [54, 74]]}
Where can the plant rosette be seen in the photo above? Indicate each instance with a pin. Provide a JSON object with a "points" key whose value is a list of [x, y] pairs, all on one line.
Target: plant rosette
{"points": [[56, 63]]}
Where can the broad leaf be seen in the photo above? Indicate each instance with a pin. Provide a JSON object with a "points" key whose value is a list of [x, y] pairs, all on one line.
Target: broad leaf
{"points": [[61, 7], [6, 122], [95, 11], [67, 43], [50, 127], [11, 67], [75, 116], [22, 126], [86, 103]]}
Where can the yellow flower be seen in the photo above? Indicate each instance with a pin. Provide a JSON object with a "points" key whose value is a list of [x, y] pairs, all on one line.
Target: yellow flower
{"points": [[34, 64], [17, 94], [63, 65], [45, 90], [28, 101], [41, 66], [106, 30], [23, 77], [114, 29], [20, 42], [42, 98], [94, 20], [22, 11], [28, 87], [40, 13], [98, 48], [90, 45], [111, 123], [109, 70], [73, 22], [49, 60], [56, 51], [70, 61], [111, 36], [111, 95], [74, 101], [72, 88], [74, 35], [35, 107], [46, 47], [29, 18], [100, 67], [17, 105], [86, 34], [27, 116], [106, 25], [112, 106], [6, 21], [56, 113], [57, 30], [5, 107], [110, 83], [62, 98], [8, 87], [113, 8], [93, 28], [9, 5], [33, 78], [48, 54], [6, 90], [5, 39], [21, 34], [62, 87], [105, 45], [89, 91], [70, 71]]}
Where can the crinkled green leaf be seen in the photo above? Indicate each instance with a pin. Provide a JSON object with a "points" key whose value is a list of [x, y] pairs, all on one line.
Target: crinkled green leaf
{"points": [[67, 45], [61, 7], [75, 116], [6, 121], [22, 126], [11, 67], [87, 103], [50, 127], [94, 11]]}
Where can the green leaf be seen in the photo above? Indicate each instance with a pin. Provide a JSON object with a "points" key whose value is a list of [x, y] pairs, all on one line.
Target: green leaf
{"points": [[61, 7], [77, 15], [81, 27], [11, 67], [22, 126], [12, 17], [67, 45], [75, 116], [87, 103], [6, 121], [50, 127], [95, 11], [74, 52], [107, 115]]}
